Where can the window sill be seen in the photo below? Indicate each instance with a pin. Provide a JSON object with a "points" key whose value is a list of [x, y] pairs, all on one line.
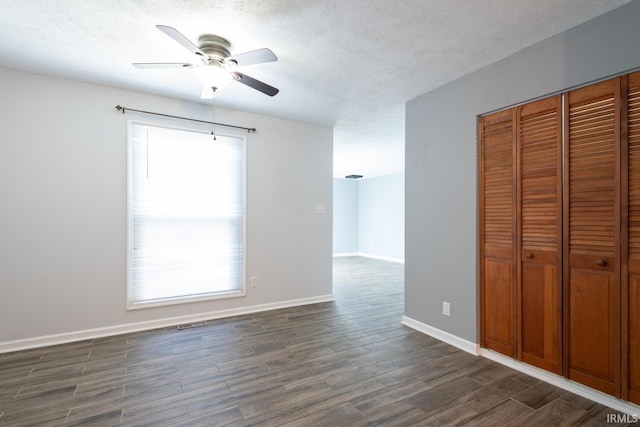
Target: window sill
{"points": [[184, 299]]}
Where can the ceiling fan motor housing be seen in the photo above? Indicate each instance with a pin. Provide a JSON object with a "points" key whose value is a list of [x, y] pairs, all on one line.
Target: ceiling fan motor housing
{"points": [[216, 47]]}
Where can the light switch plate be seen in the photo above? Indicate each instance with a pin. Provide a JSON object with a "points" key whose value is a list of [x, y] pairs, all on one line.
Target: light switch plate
{"points": [[446, 308]]}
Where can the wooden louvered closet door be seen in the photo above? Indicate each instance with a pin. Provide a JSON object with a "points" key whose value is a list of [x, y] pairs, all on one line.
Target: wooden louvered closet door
{"points": [[539, 139], [498, 233], [633, 294], [592, 236]]}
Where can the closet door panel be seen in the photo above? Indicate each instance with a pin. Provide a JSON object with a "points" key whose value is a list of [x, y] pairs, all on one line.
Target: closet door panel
{"points": [[541, 333], [498, 233], [540, 235], [591, 299], [592, 236], [633, 104], [499, 323]]}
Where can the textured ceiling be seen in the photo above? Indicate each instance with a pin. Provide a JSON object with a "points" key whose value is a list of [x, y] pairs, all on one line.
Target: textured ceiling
{"points": [[347, 64]]}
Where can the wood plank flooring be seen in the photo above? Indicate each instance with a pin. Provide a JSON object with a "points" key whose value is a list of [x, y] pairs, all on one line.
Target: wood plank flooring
{"points": [[349, 363]]}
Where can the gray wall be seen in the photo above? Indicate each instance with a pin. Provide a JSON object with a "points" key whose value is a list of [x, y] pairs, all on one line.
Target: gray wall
{"points": [[63, 187], [368, 216], [345, 216], [441, 162], [381, 219]]}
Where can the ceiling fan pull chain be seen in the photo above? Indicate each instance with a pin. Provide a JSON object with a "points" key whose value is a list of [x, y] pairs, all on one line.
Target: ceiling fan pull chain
{"points": [[213, 120]]}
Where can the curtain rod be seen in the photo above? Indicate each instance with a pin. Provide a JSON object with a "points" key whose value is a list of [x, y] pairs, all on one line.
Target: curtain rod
{"points": [[124, 109]]}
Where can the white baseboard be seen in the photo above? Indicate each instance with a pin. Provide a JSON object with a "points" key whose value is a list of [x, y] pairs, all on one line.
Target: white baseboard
{"points": [[383, 258], [541, 374], [367, 255], [86, 334], [563, 383], [462, 344]]}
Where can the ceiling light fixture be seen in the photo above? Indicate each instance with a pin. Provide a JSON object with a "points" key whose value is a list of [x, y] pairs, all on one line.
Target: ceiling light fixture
{"points": [[213, 78], [353, 176]]}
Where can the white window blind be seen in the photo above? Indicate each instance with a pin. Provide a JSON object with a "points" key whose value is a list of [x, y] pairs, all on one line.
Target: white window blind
{"points": [[186, 216]]}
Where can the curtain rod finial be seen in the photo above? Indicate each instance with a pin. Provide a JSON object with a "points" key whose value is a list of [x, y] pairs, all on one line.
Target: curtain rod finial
{"points": [[119, 107]]}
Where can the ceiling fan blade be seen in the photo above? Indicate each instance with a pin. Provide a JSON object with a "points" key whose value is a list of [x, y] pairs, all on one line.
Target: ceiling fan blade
{"points": [[161, 65], [254, 57], [255, 84], [182, 40]]}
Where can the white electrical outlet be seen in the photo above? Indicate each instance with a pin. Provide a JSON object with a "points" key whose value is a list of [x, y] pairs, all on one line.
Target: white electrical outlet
{"points": [[253, 281], [446, 308]]}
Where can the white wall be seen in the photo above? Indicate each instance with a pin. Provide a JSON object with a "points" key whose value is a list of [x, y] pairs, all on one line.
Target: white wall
{"points": [[63, 189], [345, 216], [381, 216], [441, 262]]}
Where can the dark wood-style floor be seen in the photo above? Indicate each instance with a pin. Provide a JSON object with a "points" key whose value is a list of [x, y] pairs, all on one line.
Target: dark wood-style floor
{"points": [[344, 363]]}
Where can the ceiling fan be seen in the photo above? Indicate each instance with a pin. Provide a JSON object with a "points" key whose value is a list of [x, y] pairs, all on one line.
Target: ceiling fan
{"points": [[217, 66]]}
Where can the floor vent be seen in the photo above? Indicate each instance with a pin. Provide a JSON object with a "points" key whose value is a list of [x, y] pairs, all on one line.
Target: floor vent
{"points": [[191, 325]]}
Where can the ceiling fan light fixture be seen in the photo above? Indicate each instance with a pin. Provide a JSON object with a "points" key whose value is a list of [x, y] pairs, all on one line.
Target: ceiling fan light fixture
{"points": [[212, 76]]}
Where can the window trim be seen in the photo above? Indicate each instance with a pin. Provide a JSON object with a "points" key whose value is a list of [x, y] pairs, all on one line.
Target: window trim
{"points": [[242, 292]]}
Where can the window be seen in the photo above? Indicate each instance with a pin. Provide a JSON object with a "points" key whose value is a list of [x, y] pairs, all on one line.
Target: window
{"points": [[186, 216]]}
